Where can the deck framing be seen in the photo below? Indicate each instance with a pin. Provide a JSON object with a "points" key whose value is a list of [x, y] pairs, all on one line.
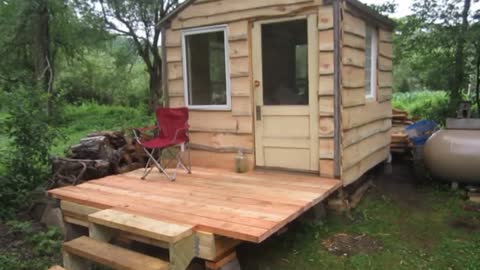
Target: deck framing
{"points": [[247, 207]]}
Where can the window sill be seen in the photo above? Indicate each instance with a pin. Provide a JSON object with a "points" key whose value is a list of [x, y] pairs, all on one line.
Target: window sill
{"points": [[210, 108]]}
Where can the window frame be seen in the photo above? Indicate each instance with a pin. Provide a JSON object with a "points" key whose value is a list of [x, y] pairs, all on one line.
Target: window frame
{"points": [[372, 94], [186, 76]]}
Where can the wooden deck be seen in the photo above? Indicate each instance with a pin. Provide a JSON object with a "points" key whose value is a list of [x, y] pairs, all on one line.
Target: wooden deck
{"points": [[249, 207]]}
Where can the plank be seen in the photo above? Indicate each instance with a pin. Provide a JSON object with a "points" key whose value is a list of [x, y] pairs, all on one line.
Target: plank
{"points": [[362, 115], [326, 106], [351, 175], [326, 148], [143, 226], [353, 57], [216, 8], [222, 140], [325, 40], [326, 85], [325, 18], [240, 15], [353, 97], [259, 205], [361, 133], [353, 77], [237, 216], [143, 207], [353, 41], [357, 152], [326, 63], [386, 35], [112, 256], [220, 122], [326, 127], [354, 25], [327, 167], [56, 267]]}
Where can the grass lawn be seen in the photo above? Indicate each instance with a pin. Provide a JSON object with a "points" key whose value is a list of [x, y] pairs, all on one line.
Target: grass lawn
{"points": [[407, 227]]}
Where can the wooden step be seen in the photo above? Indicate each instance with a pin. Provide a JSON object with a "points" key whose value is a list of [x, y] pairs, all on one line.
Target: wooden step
{"points": [[142, 226], [111, 256]]}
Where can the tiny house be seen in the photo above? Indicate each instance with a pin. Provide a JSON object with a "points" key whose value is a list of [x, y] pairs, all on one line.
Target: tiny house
{"points": [[298, 85], [294, 85]]}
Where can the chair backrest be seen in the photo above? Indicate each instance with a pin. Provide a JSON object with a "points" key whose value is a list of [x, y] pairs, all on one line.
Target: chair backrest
{"points": [[172, 119]]}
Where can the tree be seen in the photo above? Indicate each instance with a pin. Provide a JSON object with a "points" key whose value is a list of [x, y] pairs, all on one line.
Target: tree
{"points": [[138, 20], [432, 42], [387, 8]]}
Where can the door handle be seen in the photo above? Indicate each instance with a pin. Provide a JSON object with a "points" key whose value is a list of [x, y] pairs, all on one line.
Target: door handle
{"points": [[257, 83], [259, 113]]}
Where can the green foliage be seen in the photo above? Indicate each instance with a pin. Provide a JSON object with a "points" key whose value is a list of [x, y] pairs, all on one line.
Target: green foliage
{"points": [[110, 74], [86, 118], [386, 8], [431, 105], [35, 249], [30, 137]]}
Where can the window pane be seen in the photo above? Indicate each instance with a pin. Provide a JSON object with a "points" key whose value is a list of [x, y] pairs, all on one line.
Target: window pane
{"points": [[206, 69], [368, 61], [285, 63]]}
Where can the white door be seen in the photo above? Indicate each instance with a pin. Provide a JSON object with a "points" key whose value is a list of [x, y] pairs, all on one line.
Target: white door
{"points": [[285, 73]]}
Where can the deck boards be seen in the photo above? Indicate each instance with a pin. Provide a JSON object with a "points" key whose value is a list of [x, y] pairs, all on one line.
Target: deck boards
{"points": [[249, 207]]}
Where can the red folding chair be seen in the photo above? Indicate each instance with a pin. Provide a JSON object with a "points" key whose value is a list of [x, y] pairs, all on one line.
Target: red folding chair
{"points": [[171, 131]]}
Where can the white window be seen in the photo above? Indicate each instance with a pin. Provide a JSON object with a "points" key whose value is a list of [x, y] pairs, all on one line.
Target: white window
{"points": [[206, 68], [371, 62]]}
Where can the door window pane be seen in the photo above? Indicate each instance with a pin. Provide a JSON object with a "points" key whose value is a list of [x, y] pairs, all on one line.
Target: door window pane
{"points": [[285, 63]]}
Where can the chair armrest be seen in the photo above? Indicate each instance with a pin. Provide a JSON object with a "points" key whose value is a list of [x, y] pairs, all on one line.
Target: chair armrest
{"points": [[137, 132]]}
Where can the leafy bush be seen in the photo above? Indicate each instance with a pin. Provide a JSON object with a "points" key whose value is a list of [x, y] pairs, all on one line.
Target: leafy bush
{"points": [[27, 156], [111, 74], [34, 248], [431, 105]]}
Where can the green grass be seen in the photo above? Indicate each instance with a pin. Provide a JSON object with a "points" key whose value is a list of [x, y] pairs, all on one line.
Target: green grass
{"points": [[81, 120], [413, 238]]}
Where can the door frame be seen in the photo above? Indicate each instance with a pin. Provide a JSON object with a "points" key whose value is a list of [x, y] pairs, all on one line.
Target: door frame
{"points": [[313, 79]]}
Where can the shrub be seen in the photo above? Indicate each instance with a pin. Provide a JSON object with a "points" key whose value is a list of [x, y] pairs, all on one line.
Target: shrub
{"points": [[431, 105], [26, 158]]}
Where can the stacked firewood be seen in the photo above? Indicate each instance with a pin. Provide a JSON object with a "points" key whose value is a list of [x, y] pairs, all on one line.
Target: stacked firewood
{"points": [[97, 155], [400, 142]]}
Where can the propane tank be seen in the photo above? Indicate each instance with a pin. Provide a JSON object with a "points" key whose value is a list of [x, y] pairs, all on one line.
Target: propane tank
{"points": [[453, 153]]}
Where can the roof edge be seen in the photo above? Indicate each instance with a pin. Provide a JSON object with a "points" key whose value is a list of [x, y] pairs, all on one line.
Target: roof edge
{"points": [[355, 3], [372, 13], [175, 12]]}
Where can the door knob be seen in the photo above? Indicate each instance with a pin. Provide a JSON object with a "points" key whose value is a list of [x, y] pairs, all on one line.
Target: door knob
{"points": [[257, 83]]}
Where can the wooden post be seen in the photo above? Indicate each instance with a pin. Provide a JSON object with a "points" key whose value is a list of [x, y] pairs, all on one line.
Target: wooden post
{"points": [[228, 262]]}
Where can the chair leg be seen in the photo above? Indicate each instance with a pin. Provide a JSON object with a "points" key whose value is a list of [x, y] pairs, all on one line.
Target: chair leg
{"points": [[149, 168]]}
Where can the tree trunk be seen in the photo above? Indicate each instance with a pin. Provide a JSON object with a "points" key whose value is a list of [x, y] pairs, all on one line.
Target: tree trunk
{"points": [[459, 79], [44, 71], [155, 88]]}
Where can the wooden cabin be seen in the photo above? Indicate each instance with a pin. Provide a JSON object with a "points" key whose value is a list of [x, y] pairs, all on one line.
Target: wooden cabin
{"points": [[295, 85], [301, 85]]}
